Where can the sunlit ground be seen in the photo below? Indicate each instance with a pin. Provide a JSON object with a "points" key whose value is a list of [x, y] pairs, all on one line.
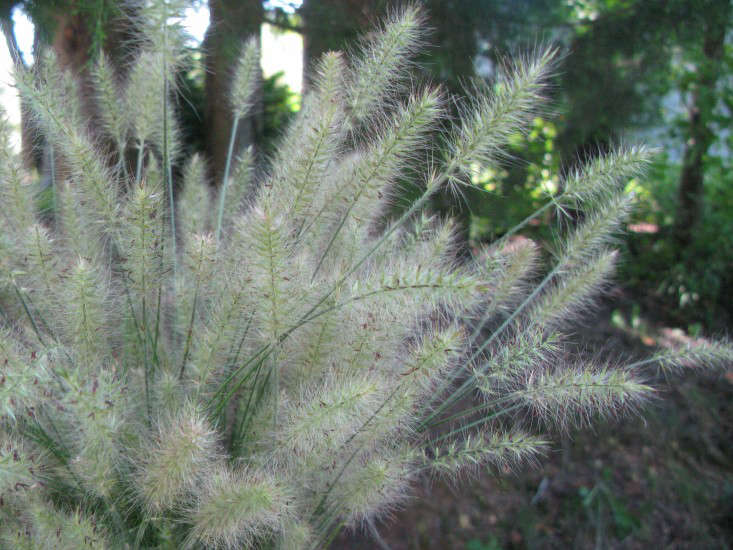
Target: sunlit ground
{"points": [[282, 51]]}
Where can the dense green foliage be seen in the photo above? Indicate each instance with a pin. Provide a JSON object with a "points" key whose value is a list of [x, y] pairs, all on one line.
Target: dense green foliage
{"points": [[642, 67]]}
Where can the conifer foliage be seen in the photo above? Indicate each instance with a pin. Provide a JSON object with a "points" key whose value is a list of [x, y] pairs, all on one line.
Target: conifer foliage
{"points": [[272, 363]]}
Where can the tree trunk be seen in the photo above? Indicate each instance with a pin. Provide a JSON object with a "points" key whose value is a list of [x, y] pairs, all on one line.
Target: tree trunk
{"points": [[232, 21], [73, 44], [333, 25], [700, 136]]}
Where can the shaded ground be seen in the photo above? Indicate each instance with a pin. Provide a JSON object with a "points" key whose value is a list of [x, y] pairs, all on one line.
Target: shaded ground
{"points": [[661, 481]]}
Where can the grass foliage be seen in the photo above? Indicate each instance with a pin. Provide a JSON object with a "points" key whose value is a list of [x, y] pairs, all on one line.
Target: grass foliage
{"points": [[268, 364]]}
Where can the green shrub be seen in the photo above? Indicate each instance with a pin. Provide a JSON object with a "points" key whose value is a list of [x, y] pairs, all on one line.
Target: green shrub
{"points": [[271, 364], [694, 283]]}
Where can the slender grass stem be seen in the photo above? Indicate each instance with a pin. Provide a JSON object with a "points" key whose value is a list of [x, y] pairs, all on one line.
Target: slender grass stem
{"points": [[189, 332], [52, 170], [123, 165], [481, 421], [225, 180], [146, 366], [485, 319], [331, 536], [246, 419], [467, 412], [642, 363], [239, 430], [466, 386], [225, 399], [140, 157], [156, 337], [221, 394], [541, 210], [28, 314], [168, 171]]}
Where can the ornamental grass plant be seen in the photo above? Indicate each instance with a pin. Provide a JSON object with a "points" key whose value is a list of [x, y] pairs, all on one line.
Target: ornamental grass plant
{"points": [[265, 365]]}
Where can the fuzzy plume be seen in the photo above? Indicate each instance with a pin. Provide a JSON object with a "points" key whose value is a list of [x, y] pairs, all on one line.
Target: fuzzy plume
{"points": [[577, 393], [245, 78], [234, 509], [184, 453], [376, 72]]}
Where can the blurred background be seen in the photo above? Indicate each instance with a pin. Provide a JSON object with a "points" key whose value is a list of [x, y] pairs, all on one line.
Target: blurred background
{"points": [[652, 71]]}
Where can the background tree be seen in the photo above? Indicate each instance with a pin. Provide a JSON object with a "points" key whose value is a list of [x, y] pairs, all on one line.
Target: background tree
{"points": [[232, 21], [77, 31], [332, 24], [700, 87]]}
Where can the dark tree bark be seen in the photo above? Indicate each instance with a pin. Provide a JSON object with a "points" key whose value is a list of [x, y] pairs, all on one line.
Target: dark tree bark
{"points": [[333, 25], [70, 35], [700, 136], [72, 41], [232, 21]]}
